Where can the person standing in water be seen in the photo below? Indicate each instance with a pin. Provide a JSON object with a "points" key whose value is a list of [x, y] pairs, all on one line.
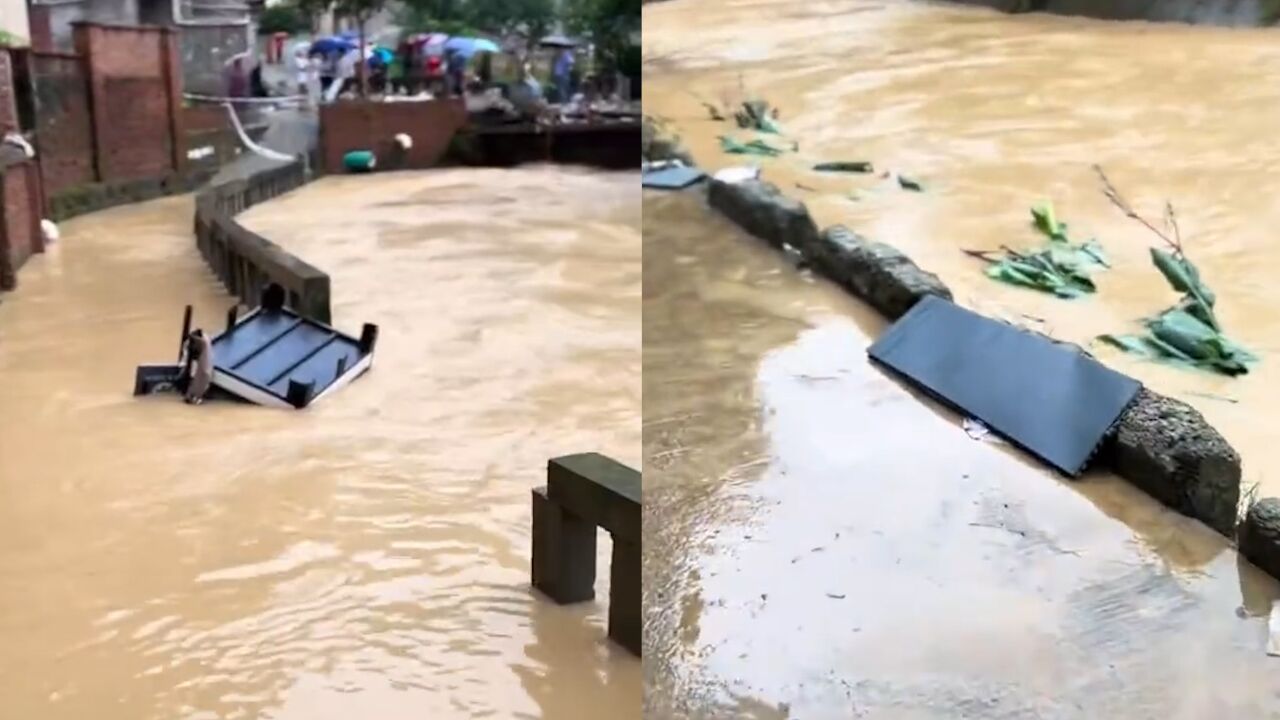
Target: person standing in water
{"points": [[198, 364]]}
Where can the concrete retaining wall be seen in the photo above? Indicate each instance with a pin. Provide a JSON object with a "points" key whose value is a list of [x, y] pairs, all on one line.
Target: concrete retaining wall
{"points": [[247, 262], [613, 146], [1160, 444], [1247, 13]]}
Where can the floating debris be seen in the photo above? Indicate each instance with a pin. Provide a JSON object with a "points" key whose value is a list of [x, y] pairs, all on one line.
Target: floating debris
{"points": [[756, 115], [755, 147], [1187, 333], [1059, 268], [848, 167], [908, 184]]}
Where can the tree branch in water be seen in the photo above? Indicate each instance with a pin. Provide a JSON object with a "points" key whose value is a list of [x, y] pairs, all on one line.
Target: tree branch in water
{"points": [[1123, 205]]}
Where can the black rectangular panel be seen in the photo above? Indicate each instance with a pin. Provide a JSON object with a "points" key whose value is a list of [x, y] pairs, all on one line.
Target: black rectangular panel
{"points": [[672, 178], [1047, 399]]}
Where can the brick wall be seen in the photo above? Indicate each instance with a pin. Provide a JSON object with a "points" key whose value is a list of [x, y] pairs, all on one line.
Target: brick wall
{"points": [[19, 220], [41, 20], [355, 125], [64, 123], [132, 91]]}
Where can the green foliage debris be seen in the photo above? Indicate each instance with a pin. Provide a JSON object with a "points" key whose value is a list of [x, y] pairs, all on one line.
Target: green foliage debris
{"points": [[1060, 267], [1189, 332]]}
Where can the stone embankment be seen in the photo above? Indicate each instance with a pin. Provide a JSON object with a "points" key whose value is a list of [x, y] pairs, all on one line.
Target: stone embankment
{"points": [[1160, 444]]}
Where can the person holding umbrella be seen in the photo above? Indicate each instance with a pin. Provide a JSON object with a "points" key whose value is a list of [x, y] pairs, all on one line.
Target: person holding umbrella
{"points": [[562, 75]]}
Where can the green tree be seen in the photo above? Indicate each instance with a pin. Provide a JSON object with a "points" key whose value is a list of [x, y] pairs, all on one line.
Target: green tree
{"points": [[286, 17], [360, 11], [526, 18], [505, 18], [610, 24], [445, 16]]}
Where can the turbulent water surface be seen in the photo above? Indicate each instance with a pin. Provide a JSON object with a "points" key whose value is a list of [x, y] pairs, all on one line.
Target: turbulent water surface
{"points": [[820, 543], [367, 557]]}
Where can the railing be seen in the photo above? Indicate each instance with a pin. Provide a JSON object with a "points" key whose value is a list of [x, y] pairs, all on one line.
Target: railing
{"points": [[585, 492], [247, 262]]}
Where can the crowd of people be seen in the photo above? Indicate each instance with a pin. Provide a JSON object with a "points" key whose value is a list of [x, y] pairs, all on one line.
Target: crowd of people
{"points": [[426, 66]]}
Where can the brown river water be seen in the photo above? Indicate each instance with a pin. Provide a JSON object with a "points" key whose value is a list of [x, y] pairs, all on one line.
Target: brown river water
{"points": [[368, 557], [820, 543]]}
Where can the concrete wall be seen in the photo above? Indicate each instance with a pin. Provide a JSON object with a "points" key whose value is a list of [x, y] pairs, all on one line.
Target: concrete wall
{"points": [[613, 146], [1200, 12], [247, 262]]}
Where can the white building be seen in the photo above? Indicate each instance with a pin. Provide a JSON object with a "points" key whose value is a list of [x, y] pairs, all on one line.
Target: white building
{"points": [[13, 22]]}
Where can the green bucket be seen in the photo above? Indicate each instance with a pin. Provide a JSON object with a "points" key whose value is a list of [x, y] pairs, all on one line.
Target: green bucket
{"points": [[359, 161]]}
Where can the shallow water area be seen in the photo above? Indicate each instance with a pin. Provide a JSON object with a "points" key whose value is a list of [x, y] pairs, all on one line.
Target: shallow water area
{"points": [[822, 543], [994, 113], [368, 556]]}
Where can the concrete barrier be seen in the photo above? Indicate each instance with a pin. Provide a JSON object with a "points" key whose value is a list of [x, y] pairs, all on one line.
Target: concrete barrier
{"points": [[1260, 535], [611, 146], [654, 146], [762, 210], [878, 273], [247, 262], [1168, 449], [585, 492], [1160, 444]]}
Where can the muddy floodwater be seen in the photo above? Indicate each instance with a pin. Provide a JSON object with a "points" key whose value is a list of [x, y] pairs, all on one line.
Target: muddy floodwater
{"points": [[366, 558], [821, 543]]}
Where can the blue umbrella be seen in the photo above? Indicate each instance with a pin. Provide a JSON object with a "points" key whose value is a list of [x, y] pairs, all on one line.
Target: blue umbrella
{"points": [[466, 47], [326, 46]]}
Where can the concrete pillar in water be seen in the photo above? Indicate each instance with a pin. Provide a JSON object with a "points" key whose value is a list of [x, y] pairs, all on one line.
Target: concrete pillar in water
{"points": [[624, 595], [564, 552], [585, 492]]}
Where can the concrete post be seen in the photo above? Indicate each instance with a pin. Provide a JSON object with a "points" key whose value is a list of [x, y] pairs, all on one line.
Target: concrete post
{"points": [[564, 552], [624, 595], [585, 492]]}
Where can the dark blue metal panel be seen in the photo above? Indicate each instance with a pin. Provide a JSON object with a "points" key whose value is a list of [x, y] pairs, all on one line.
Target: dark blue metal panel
{"points": [[267, 349], [1050, 400], [672, 178]]}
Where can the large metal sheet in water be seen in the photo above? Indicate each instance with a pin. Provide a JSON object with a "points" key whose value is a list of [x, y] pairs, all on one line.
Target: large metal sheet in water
{"points": [[672, 178], [1050, 400]]}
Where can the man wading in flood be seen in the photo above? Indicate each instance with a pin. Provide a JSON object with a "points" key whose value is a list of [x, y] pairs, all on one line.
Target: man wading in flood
{"points": [[197, 364]]}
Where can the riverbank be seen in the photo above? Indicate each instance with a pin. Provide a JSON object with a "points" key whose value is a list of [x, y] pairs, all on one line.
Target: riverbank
{"points": [[339, 562], [1233, 13], [991, 115]]}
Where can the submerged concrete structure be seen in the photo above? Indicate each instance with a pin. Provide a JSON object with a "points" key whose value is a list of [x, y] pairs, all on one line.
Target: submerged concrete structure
{"points": [[585, 492]]}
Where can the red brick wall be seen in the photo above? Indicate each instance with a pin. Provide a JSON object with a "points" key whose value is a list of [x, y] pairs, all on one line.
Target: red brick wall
{"points": [[354, 125], [131, 90], [64, 125], [38, 17], [19, 220]]}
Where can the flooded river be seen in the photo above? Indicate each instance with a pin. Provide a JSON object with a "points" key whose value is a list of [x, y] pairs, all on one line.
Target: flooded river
{"points": [[367, 557], [827, 545]]}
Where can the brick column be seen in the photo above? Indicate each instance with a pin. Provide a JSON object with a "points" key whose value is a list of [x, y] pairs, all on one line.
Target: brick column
{"points": [[173, 84], [85, 36]]}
